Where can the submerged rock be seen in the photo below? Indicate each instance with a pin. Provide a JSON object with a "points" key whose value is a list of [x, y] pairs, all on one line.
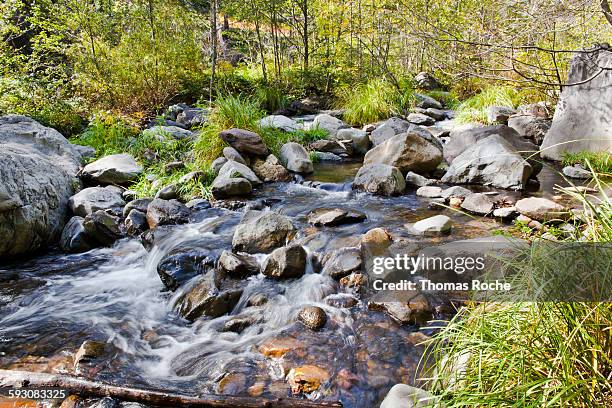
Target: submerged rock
{"points": [[286, 263], [205, 299], [343, 262], [312, 317], [261, 232], [113, 169], [307, 378], [380, 179]]}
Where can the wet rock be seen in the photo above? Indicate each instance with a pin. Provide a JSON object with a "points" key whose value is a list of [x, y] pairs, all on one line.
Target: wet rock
{"points": [[429, 191], [257, 299], [106, 402], [388, 129], [327, 157], [198, 204], [306, 378], [295, 158], [354, 281], [577, 172], [412, 151], [477, 203], [426, 81], [342, 262], [375, 242], [424, 101], [89, 351], [270, 169], [280, 122], [192, 117], [92, 199], [168, 192], [491, 161], [416, 180], [406, 396], [103, 227], [530, 127], [312, 317], [334, 216], [380, 179], [499, 114], [261, 232], [162, 133], [505, 212], [136, 222], [178, 267], [278, 347], [359, 138], [224, 187], [341, 300], [232, 384], [140, 204], [581, 123], [466, 137], [205, 299], [332, 146], [455, 191], [420, 119], [114, 169], [438, 224], [329, 123], [285, 263], [166, 212], [74, 238], [232, 154], [416, 310], [233, 169], [238, 265], [245, 141], [239, 323], [217, 164], [129, 195], [540, 209]]}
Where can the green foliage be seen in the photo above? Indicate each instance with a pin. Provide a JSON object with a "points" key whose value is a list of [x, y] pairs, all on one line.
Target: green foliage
{"points": [[373, 101], [107, 135], [275, 138], [474, 109], [448, 99], [194, 188], [600, 162]]}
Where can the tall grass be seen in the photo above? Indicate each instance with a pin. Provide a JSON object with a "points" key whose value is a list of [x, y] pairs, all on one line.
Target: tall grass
{"points": [[600, 162], [376, 100], [474, 109], [518, 353]]}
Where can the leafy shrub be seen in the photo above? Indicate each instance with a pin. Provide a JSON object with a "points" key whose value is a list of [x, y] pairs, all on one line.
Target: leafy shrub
{"points": [[107, 135]]}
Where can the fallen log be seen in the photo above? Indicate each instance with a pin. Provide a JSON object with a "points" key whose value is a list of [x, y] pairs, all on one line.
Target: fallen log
{"points": [[87, 388]]}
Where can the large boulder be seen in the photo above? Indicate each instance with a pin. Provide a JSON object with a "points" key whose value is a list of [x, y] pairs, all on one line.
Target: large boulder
{"points": [[583, 118], [92, 199], [226, 187], [426, 81], [530, 127], [295, 158], [328, 123], [245, 141], [280, 122], [380, 179], [412, 151], [540, 209], [37, 168], [113, 169], [286, 263], [359, 138], [464, 138], [261, 232], [491, 162], [389, 128]]}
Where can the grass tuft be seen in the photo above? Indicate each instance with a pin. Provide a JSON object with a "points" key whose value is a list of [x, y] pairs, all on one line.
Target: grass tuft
{"points": [[600, 162], [474, 109]]}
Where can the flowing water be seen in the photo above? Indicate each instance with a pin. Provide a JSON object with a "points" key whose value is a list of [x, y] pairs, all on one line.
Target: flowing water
{"points": [[50, 304]]}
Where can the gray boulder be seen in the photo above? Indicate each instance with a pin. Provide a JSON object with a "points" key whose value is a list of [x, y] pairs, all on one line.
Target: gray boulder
{"points": [[327, 157], [464, 138], [226, 187], [38, 168], [232, 154], [437, 114], [499, 114], [139, 204], [380, 179], [166, 212], [92, 199], [438, 224], [217, 164], [280, 122], [420, 119], [359, 138], [168, 192], [295, 158], [478, 203], [136, 222], [103, 227], [113, 169], [492, 162], [286, 263], [583, 118], [192, 117], [455, 191], [339, 148], [261, 232], [233, 169], [429, 191], [270, 169], [245, 141], [328, 123], [74, 238], [540, 209], [416, 180], [426, 81], [343, 262], [389, 128], [530, 127], [577, 172], [424, 101], [412, 151], [238, 265], [162, 133]]}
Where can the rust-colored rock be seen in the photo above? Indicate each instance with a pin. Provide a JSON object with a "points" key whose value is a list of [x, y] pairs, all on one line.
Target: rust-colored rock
{"points": [[306, 378]]}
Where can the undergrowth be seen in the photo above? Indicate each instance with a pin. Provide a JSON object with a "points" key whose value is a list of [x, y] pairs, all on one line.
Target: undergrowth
{"points": [[600, 162], [474, 109]]}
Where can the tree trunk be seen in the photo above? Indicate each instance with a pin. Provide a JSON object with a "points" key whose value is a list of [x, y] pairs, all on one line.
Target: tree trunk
{"points": [[214, 51], [86, 388]]}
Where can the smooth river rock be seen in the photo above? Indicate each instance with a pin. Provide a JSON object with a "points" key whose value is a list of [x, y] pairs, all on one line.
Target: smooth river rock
{"points": [[92, 199], [245, 141], [261, 232], [412, 151], [540, 209], [286, 263], [114, 169], [295, 158], [380, 179]]}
